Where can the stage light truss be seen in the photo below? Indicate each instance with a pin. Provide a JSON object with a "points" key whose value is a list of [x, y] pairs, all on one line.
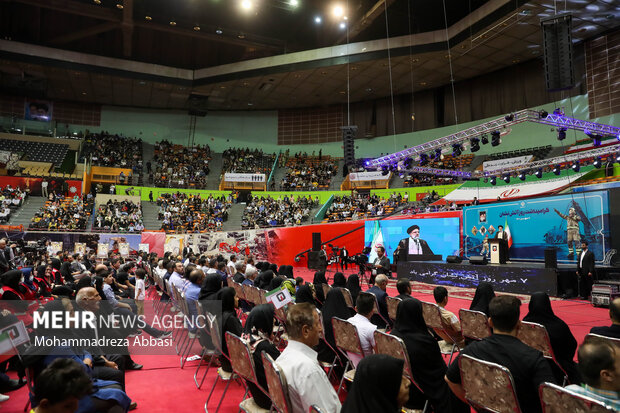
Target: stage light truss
{"points": [[571, 157], [499, 124]]}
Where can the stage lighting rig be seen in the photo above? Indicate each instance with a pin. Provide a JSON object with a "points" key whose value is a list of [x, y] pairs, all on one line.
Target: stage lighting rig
{"points": [[506, 179], [475, 144], [598, 162], [423, 159], [575, 166], [456, 150], [557, 169], [493, 180], [561, 134], [495, 138], [484, 139], [521, 176], [539, 173]]}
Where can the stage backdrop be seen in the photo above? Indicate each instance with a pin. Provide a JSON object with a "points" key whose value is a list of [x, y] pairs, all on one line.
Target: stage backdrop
{"points": [[442, 233], [536, 224]]}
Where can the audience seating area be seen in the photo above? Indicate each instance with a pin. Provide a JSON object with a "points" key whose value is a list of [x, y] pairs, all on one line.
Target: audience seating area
{"points": [[191, 213], [539, 152], [264, 212], [105, 149], [36, 151], [177, 166], [308, 173], [414, 179], [60, 213], [359, 206], [119, 216], [11, 199], [246, 160], [451, 162]]}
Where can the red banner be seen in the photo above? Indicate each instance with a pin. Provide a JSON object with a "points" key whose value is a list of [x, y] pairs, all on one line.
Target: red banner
{"points": [[72, 187], [156, 241]]}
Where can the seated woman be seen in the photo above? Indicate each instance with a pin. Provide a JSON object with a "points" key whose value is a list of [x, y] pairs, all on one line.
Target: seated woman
{"points": [[334, 306], [230, 322], [258, 332], [427, 364], [380, 386], [563, 342], [483, 296]]}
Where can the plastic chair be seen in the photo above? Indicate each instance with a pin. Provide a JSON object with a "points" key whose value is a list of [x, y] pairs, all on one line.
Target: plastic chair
{"points": [[488, 386], [556, 399]]}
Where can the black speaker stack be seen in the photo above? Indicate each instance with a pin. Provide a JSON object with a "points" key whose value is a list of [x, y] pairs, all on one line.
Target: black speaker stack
{"points": [[558, 52]]}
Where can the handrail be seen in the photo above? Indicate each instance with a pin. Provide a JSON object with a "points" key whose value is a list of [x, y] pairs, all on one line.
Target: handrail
{"points": [[273, 169], [320, 214]]}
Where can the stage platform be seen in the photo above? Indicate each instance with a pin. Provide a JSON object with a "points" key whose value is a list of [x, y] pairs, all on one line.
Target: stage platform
{"points": [[513, 277]]}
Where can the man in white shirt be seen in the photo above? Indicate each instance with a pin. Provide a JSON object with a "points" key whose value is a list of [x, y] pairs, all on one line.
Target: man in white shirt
{"points": [[230, 266], [365, 329], [307, 382]]}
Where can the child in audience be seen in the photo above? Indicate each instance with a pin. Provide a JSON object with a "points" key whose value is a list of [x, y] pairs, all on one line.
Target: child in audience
{"points": [[140, 293]]}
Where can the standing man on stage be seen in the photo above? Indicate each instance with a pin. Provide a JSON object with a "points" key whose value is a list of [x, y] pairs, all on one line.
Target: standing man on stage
{"points": [[323, 258], [585, 270], [572, 230], [501, 234], [344, 258], [381, 265]]}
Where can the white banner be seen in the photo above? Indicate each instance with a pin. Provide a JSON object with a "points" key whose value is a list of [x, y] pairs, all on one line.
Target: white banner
{"points": [[367, 176], [506, 192], [490, 166], [235, 177], [144, 247]]}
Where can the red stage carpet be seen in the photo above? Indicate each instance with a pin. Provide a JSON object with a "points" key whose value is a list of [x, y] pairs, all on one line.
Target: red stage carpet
{"points": [[163, 387]]}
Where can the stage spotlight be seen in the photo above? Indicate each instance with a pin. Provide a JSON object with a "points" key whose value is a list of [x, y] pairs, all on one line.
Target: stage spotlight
{"points": [[246, 5], [318, 20], [438, 153], [558, 112], [385, 170], [575, 166], [423, 159], [598, 162], [557, 169], [294, 3], [543, 114], [506, 178], [407, 163], [475, 144], [484, 139], [561, 134], [539, 173], [456, 150], [343, 25], [521, 176], [493, 180], [509, 118], [486, 180], [495, 138]]}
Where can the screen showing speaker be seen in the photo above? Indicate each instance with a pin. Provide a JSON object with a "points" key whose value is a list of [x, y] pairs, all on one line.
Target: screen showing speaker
{"points": [[438, 236]]}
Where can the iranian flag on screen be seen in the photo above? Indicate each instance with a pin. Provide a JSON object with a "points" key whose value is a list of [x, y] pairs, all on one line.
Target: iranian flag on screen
{"points": [[507, 229]]}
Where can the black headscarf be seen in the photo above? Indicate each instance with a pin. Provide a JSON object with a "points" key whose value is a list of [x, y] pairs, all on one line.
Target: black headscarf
{"points": [[282, 270], [259, 324], [56, 264], [319, 278], [275, 282], [263, 279], [334, 306], [274, 268], [304, 295], [83, 283], [376, 385], [340, 281], [11, 279], [483, 296], [410, 318], [227, 296], [289, 271], [563, 341], [210, 286], [353, 285], [41, 271]]}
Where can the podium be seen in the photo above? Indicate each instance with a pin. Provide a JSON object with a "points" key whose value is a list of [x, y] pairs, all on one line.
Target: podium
{"points": [[499, 250]]}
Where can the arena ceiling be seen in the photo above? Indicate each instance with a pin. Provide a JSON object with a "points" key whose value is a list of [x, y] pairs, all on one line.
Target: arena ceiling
{"points": [[273, 58]]}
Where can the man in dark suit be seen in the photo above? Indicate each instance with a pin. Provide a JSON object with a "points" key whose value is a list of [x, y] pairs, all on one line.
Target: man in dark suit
{"points": [[187, 250], [413, 245], [614, 329], [475, 201], [379, 291], [381, 265], [503, 252], [344, 258], [585, 270]]}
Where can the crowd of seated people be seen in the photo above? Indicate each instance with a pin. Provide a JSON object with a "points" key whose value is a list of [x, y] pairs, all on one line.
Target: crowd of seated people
{"points": [[177, 166], [119, 216], [107, 149], [308, 173], [10, 199], [247, 160], [264, 212], [62, 213], [380, 383], [360, 206], [416, 179], [192, 213]]}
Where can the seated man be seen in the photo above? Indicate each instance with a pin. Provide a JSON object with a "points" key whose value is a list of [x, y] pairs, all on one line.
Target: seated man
{"points": [[404, 288], [60, 387], [528, 367], [614, 329], [451, 322], [379, 291], [599, 364], [307, 382], [365, 329]]}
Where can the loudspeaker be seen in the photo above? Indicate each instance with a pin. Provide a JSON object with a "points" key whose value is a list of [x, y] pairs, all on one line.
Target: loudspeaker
{"points": [[316, 241], [454, 259], [558, 49], [551, 258], [478, 260], [348, 143], [313, 260]]}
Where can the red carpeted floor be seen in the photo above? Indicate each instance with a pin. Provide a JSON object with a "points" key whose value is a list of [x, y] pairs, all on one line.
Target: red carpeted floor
{"points": [[162, 386]]}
